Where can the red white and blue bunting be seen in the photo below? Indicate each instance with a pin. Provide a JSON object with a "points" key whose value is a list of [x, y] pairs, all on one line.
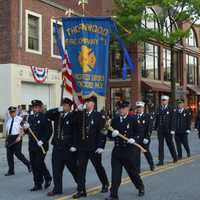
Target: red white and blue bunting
{"points": [[39, 74]]}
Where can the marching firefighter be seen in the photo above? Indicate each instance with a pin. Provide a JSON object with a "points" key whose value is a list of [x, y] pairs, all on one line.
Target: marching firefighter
{"points": [[182, 128], [64, 154], [124, 153], [14, 141], [142, 130], [90, 143], [39, 130], [165, 127]]}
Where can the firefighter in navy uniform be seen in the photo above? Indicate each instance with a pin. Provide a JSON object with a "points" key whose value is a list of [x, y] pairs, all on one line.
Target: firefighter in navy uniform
{"points": [[142, 126], [124, 153], [63, 153], [182, 128], [41, 127], [90, 143], [165, 127]]}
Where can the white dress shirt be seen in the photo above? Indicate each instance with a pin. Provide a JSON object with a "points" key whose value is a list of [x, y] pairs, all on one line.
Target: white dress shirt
{"points": [[16, 125]]}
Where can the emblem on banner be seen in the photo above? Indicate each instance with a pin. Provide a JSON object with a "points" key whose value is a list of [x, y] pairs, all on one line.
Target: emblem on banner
{"points": [[87, 59]]}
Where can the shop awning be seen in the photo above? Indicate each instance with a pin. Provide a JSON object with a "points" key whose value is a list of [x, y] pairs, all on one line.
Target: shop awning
{"points": [[195, 89], [155, 86]]}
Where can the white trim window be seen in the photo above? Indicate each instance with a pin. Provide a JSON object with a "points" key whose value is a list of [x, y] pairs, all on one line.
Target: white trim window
{"points": [[54, 49], [33, 32]]}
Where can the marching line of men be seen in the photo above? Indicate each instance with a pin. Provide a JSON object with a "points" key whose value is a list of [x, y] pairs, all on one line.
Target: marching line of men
{"points": [[79, 136]]}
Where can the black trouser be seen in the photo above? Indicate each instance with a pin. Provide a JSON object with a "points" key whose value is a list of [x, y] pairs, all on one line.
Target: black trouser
{"points": [[60, 159], [96, 159], [169, 140], [124, 158], [16, 150], [182, 139], [148, 154], [39, 169]]}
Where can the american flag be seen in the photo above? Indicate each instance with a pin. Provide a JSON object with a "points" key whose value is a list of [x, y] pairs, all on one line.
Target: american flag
{"points": [[69, 82]]}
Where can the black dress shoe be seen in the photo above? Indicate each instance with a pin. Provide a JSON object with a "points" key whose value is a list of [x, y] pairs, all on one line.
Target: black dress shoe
{"points": [[180, 158], [188, 155], [47, 184], [36, 188], [175, 160], [104, 189], [9, 174], [29, 168], [53, 193], [152, 168], [112, 198], [141, 193], [79, 194], [159, 163]]}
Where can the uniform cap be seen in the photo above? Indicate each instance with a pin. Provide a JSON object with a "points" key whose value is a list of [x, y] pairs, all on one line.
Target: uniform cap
{"points": [[67, 101], [123, 104], [164, 97], [36, 102], [92, 99], [140, 104], [12, 109]]}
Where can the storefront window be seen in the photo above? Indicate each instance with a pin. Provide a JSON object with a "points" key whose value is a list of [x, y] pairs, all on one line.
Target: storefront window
{"points": [[116, 65], [118, 94], [150, 62], [192, 68]]}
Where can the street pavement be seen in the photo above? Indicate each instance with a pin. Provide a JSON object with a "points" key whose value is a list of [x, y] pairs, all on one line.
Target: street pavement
{"points": [[170, 182]]}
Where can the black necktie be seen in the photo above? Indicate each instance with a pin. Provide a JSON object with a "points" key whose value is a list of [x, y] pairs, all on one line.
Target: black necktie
{"points": [[11, 126]]}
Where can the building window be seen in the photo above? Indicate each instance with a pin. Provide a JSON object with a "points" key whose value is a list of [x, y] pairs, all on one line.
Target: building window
{"points": [[149, 20], [191, 41], [150, 62], [54, 49], [169, 26], [116, 64], [33, 32], [192, 67]]}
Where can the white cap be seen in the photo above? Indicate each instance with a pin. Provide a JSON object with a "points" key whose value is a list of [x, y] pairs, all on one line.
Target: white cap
{"points": [[164, 97], [140, 104]]}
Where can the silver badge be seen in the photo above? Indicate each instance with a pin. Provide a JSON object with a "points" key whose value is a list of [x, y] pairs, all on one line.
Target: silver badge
{"points": [[167, 113], [184, 114], [38, 121], [67, 122], [128, 126], [143, 121], [92, 122]]}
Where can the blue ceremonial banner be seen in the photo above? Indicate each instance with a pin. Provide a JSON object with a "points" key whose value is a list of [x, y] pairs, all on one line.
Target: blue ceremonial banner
{"points": [[87, 45]]}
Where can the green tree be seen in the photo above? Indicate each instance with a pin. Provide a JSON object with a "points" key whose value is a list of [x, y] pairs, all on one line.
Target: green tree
{"points": [[170, 15]]}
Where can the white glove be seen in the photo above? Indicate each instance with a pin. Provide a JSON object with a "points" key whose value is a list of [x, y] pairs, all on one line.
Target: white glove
{"points": [[26, 125], [131, 141], [73, 149], [40, 143], [60, 109], [115, 133], [172, 132], [188, 131], [99, 151], [145, 141], [81, 107]]}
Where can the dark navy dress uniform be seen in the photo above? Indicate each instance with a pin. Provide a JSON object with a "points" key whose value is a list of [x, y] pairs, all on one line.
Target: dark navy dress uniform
{"points": [[88, 139], [142, 125], [124, 155], [182, 129], [164, 125], [62, 141], [42, 128], [197, 123]]}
